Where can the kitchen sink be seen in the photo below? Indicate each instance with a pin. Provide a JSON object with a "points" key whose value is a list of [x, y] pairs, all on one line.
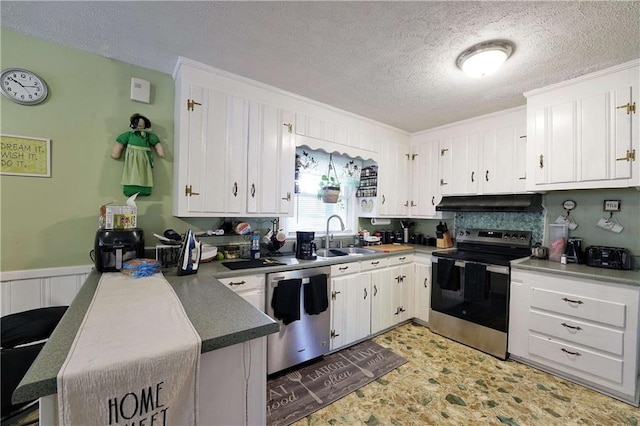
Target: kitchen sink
{"points": [[346, 251]]}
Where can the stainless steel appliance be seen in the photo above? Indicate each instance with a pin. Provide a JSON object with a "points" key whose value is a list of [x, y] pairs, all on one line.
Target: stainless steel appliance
{"points": [[113, 247], [470, 287], [608, 257], [309, 336], [305, 247]]}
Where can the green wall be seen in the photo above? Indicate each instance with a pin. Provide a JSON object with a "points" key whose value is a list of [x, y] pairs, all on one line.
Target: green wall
{"points": [[51, 222]]}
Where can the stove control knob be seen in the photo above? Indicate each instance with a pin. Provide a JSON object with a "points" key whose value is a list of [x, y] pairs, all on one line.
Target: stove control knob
{"points": [[467, 233], [507, 236], [461, 233], [523, 237]]}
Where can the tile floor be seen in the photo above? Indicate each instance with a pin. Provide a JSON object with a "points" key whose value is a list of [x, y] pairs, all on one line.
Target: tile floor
{"points": [[445, 383]]}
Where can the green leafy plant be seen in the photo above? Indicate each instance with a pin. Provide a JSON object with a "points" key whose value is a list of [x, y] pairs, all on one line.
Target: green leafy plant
{"points": [[327, 182]]}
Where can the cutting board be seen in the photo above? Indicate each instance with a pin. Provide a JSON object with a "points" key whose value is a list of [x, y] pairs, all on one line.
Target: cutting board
{"points": [[388, 248]]}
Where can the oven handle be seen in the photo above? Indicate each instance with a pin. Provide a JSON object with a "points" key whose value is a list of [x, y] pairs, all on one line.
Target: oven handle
{"points": [[497, 269]]}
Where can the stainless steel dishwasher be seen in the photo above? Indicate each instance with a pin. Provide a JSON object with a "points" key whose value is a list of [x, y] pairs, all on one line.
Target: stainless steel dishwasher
{"points": [[303, 339]]}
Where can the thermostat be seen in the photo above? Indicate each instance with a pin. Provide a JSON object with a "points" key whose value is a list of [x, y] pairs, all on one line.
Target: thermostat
{"points": [[140, 90], [611, 205]]}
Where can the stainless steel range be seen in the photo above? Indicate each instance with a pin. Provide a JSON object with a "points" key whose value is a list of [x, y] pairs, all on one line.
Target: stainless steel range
{"points": [[470, 287]]}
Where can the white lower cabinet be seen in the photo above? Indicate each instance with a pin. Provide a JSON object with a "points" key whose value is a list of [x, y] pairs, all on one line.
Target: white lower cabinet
{"points": [[582, 329], [422, 288], [382, 306], [350, 309], [250, 287]]}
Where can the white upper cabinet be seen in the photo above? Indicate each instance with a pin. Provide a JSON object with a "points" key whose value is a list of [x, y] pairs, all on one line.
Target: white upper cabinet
{"points": [[210, 150], [425, 184], [483, 155], [584, 133], [393, 180], [271, 161]]}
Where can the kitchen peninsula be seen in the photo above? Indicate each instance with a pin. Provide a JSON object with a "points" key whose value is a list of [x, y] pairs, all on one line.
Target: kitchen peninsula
{"points": [[229, 327]]}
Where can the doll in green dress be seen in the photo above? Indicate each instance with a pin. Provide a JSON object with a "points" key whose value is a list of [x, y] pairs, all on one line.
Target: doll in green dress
{"points": [[138, 162]]}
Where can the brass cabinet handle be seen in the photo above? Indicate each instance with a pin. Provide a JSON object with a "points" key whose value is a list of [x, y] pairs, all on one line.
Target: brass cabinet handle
{"points": [[191, 103], [375, 263], [425, 283], [406, 204], [573, 327], [443, 150], [334, 334], [344, 268], [288, 197], [629, 156], [253, 190], [541, 161], [523, 177], [473, 176], [442, 182], [289, 127], [365, 293], [571, 353], [486, 176], [238, 283], [413, 156], [577, 302], [188, 191], [630, 108], [413, 204], [235, 189], [375, 290], [433, 200]]}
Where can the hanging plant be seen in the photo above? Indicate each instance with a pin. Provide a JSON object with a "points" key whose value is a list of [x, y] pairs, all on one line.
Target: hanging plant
{"points": [[329, 191]]}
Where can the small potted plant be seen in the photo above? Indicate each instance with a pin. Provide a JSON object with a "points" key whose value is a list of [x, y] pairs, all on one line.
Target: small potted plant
{"points": [[329, 191]]}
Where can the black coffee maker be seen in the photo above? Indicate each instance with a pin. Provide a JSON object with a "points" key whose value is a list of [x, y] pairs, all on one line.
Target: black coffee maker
{"points": [[574, 250], [305, 247]]}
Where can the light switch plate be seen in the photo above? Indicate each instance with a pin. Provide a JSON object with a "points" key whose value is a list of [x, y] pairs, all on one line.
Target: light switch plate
{"points": [[611, 205], [140, 90]]}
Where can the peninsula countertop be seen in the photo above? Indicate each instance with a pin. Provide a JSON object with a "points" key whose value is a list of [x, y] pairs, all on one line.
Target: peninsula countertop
{"points": [[221, 318]]}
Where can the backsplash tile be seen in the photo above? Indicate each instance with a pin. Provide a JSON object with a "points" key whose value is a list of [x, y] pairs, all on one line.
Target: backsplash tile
{"points": [[533, 222]]}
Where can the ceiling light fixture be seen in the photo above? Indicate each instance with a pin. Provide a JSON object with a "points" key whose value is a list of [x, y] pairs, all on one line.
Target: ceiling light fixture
{"points": [[484, 58]]}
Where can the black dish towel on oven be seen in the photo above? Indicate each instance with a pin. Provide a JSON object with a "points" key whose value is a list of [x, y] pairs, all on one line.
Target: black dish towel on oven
{"points": [[447, 277], [315, 295], [474, 281], [286, 300]]}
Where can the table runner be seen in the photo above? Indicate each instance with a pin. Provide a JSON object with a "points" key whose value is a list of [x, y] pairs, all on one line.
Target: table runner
{"points": [[135, 359]]}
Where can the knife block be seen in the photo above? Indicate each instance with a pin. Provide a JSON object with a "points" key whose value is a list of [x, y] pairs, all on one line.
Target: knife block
{"points": [[445, 241]]}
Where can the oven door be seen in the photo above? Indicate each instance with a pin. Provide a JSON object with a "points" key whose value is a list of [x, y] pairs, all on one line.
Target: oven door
{"points": [[477, 294]]}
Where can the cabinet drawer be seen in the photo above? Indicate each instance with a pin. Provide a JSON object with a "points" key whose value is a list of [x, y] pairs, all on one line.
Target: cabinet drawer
{"points": [[345, 269], [579, 306], [602, 338], [368, 265], [400, 259], [245, 282], [579, 359]]}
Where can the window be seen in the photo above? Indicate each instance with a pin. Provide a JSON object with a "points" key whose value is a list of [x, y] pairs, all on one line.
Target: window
{"points": [[310, 212]]}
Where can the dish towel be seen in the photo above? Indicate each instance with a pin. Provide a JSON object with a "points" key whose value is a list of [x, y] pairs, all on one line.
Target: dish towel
{"points": [[316, 300], [448, 277], [286, 300], [135, 358], [474, 281]]}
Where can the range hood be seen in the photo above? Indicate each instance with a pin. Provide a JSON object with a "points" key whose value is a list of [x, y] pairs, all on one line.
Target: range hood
{"points": [[491, 203]]}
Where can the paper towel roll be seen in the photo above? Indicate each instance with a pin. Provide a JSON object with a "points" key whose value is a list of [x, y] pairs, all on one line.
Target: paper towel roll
{"points": [[376, 221]]}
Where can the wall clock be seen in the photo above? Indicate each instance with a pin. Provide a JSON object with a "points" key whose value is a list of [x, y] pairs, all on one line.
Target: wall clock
{"points": [[23, 86]]}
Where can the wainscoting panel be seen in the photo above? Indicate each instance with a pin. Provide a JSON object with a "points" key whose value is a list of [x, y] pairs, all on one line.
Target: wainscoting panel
{"points": [[37, 288]]}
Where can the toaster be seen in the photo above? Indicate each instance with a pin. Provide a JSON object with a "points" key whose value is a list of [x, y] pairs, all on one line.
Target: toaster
{"points": [[608, 257], [113, 247]]}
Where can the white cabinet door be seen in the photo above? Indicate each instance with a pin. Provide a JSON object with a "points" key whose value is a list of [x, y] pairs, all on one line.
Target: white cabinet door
{"points": [[402, 292], [503, 158], [422, 291], [584, 134], [211, 179], [459, 164], [393, 180], [250, 287], [425, 184], [271, 161], [382, 303], [350, 309]]}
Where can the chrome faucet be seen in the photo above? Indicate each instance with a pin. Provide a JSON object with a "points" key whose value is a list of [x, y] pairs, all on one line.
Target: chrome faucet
{"points": [[327, 236]]}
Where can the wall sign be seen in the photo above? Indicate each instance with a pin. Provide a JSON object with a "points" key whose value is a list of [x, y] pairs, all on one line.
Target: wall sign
{"points": [[25, 156]]}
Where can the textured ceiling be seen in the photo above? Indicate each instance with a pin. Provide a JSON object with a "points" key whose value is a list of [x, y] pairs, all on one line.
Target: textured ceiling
{"points": [[393, 62]]}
